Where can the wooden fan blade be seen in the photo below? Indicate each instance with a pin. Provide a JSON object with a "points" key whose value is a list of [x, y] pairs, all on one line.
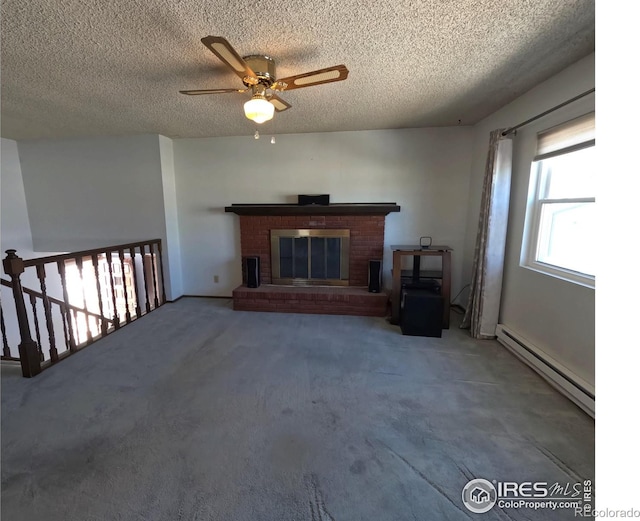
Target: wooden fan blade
{"points": [[210, 91], [308, 79], [223, 50], [278, 103]]}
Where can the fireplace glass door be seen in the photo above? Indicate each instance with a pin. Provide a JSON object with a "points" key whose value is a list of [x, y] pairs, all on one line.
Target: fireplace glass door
{"points": [[310, 257]]}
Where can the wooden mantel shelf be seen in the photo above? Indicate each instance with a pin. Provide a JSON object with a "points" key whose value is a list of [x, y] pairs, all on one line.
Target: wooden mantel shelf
{"points": [[314, 209]]}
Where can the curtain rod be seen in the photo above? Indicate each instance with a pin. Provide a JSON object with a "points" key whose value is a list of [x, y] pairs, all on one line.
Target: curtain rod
{"points": [[513, 129]]}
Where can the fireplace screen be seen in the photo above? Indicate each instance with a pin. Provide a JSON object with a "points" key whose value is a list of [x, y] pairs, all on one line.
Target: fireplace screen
{"points": [[310, 257]]}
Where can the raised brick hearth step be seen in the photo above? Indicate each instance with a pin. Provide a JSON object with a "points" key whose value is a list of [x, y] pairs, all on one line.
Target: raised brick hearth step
{"points": [[349, 300]]}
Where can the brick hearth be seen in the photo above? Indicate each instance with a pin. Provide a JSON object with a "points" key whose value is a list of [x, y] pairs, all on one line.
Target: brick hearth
{"points": [[366, 243], [309, 299]]}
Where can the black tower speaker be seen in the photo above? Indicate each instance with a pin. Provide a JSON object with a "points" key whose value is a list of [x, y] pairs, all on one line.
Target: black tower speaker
{"points": [[252, 271], [375, 276], [421, 313]]}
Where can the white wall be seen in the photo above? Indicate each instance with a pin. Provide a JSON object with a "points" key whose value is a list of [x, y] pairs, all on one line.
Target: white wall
{"points": [[425, 171], [92, 192], [173, 275], [555, 315], [85, 193], [15, 231]]}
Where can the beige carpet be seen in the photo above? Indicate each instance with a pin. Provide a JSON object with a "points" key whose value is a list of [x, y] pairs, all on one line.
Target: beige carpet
{"points": [[197, 412]]}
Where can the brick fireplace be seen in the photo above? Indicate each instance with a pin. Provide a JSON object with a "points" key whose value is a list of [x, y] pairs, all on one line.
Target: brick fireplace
{"points": [[365, 223]]}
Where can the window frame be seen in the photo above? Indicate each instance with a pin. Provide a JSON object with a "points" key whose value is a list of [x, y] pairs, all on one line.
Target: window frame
{"points": [[532, 230]]}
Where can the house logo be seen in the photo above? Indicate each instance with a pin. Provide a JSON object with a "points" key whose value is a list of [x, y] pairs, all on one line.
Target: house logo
{"points": [[479, 496]]}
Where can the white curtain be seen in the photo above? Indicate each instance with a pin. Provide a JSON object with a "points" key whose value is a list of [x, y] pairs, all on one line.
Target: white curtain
{"points": [[483, 308]]}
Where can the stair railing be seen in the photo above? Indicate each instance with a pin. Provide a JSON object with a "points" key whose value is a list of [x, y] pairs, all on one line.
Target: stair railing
{"points": [[94, 293]]}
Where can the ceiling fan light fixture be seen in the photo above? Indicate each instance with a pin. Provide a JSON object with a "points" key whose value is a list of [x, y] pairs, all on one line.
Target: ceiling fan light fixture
{"points": [[258, 73], [258, 109]]}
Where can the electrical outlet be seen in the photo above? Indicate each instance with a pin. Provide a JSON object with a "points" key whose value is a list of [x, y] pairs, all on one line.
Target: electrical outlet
{"points": [[216, 279]]}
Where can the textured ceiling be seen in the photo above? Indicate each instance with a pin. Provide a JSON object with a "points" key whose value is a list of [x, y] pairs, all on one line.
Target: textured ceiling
{"points": [[114, 67]]}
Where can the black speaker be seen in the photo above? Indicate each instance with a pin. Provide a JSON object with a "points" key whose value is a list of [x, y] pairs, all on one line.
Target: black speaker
{"points": [[375, 276], [322, 199], [252, 271], [421, 313]]}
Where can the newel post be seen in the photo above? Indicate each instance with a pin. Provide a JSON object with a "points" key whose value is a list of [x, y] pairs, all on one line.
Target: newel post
{"points": [[29, 355]]}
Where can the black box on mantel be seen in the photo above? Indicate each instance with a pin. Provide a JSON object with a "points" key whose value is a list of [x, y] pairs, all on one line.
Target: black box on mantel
{"points": [[322, 199]]}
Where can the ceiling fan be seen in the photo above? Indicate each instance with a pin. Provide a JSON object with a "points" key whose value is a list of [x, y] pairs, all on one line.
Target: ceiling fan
{"points": [[258, 73]]}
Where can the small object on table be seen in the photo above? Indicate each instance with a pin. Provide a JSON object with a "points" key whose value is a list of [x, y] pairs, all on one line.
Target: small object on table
{"points": [[423, 240]]}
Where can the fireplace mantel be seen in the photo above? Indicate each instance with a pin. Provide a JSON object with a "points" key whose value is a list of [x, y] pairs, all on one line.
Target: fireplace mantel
{"points": [[365, 223], [314, 209]]}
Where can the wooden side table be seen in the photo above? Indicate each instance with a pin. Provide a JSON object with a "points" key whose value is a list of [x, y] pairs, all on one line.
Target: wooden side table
{"points": [[416, 251]]}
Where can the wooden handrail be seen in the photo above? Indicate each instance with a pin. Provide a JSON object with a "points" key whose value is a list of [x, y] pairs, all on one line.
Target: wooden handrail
{"points": [[85, 253], [28, 349], [114, 270], [54, 300]]}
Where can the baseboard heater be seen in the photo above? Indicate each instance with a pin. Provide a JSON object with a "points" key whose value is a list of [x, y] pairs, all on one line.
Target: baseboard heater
{"points": [[561, 378]]}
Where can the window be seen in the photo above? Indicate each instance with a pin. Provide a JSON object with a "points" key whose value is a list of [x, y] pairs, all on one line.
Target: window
{"points": [[561, 211]]}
